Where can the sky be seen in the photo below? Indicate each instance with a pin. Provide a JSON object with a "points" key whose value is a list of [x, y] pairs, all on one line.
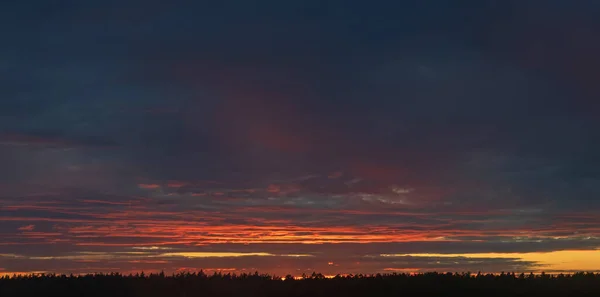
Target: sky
{"points": [[297, 136]]}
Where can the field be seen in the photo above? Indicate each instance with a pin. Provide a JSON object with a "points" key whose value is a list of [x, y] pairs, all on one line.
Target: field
{"points": [[248, 285]]}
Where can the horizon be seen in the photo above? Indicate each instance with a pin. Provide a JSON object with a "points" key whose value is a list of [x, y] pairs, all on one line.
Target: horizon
{"points": [[339, 137], [550, 263], [314, 274]]}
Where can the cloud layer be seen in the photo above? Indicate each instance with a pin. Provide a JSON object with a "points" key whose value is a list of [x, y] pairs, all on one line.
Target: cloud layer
{"points": [[297, 137]]}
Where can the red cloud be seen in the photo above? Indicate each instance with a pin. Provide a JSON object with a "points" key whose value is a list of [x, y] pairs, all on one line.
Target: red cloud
{"points": [[273, 189], [175, 184], [265, 119], [336, 174], [27, 228]]}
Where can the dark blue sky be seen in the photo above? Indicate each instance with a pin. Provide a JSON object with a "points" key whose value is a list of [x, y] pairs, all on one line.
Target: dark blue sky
{"points": [[330, 129]]}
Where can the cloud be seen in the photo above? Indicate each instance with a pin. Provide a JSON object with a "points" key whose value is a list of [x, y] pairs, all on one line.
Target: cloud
{"points": [[149, 186], [460, 137], [40, 140], [330, 263], [27, 228], [222, 255]]}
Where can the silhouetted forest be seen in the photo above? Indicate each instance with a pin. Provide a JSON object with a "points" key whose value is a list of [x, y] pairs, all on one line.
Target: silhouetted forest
{"points": [[248, 285]]}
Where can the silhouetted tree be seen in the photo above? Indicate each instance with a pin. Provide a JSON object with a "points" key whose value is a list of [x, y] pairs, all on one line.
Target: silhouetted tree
{"points": [[255, 284]]}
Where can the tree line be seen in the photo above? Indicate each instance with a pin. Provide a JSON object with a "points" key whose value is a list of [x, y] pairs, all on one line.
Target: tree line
{"points": [[218, 284]]}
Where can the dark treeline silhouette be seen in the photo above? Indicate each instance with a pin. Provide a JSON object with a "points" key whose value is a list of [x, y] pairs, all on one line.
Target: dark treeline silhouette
{"points": [[249, 285]]}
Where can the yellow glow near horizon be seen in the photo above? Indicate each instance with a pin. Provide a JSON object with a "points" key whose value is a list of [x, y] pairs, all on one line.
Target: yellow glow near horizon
{"points": [[580, 260], [20, 273], [225, 255]]}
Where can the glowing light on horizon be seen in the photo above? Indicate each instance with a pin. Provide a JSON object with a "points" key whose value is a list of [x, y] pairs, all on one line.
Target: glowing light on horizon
{"points": [[564, 261]]}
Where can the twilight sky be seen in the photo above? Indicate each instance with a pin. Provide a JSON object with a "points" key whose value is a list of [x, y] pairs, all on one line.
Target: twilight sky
{"points": [[299, 136]]}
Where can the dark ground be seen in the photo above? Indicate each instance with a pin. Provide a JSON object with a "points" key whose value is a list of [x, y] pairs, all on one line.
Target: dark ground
{"points": [[429, 284]]}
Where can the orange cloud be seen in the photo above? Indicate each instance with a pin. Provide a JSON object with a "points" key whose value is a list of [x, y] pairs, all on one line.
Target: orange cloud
{"points": [[148, 186]]}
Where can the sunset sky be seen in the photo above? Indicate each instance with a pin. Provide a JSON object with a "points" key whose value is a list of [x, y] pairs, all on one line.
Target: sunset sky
{"points": [[299, 136]]}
